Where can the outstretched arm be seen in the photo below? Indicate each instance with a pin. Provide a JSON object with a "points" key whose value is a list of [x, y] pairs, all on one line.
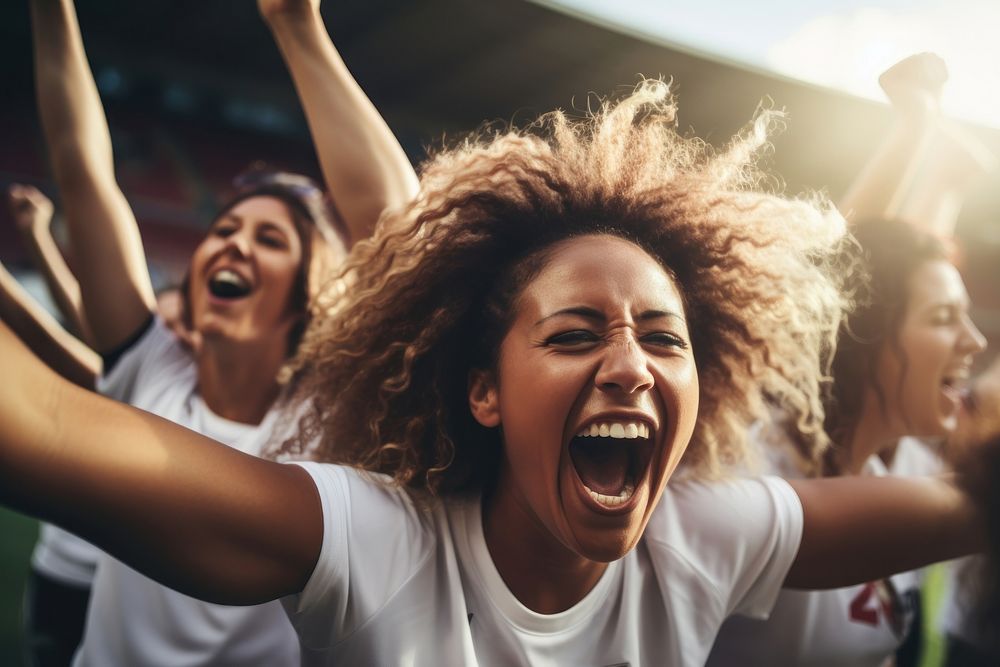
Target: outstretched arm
{"points": [[859, 529], [111, 268], [62, 352], [365, 169], [32, 213], [913, 85], [146, 490]]}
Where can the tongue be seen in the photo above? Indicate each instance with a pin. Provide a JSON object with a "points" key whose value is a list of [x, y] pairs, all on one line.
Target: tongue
{"points": [[602, 465]]}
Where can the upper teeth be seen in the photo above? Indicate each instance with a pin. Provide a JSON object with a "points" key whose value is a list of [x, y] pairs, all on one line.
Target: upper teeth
{"points": [[627, 430], [229, 276]]}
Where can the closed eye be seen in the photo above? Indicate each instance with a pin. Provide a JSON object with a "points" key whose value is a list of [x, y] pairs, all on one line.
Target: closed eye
{"points": [[272, 241], [577, 338], [664, 339], [223, 230]]}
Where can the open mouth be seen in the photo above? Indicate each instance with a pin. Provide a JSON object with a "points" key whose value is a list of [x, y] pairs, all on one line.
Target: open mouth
{"points": [[611, 458], [227, 284], [956, 388]]}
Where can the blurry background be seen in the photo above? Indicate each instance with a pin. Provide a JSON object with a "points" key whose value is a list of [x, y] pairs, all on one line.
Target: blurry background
{"points": [[195, 90]]}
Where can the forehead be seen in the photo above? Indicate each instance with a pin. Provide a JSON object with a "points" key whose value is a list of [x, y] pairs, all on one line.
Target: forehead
{"points": [[936, 281], [604, 272], [261, 209]]}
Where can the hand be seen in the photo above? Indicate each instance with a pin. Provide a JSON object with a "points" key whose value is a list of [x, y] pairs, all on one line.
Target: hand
{"points": [[272, 9], [914, 84], [32, 211]]}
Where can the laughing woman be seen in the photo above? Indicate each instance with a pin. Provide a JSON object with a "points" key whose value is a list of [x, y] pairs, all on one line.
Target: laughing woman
{"points": [[898, 374], [247, 295], [499, 391]]}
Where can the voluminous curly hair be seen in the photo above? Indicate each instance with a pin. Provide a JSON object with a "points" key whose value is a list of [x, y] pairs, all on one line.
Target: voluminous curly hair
{"points": [[385, 364]]}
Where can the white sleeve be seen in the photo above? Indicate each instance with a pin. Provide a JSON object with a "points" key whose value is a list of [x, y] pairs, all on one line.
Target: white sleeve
{"points": [[770, 550], [740, 536], [121, 381], [374, 539], [64, 557]]}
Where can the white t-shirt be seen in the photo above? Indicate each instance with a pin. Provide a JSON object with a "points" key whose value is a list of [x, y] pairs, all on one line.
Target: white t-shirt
{"points": [[64, 557], [401, 584], [132, 620], [858, 626]]}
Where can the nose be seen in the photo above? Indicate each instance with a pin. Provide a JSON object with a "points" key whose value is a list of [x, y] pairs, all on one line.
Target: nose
{"points": [[624, 367], [239, 243], [973, 340]]}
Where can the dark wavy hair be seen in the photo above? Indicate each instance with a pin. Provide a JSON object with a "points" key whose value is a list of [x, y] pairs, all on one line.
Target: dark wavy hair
{"points": [[385, 366], [893, 251]]}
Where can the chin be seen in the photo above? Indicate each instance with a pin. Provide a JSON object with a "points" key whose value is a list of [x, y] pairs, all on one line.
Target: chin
{"points": [[605, 544], [605, 549]]}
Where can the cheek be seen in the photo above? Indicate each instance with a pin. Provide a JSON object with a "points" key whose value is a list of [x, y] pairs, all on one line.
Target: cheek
{"points": [[681, 395], [535, 398], [282, 277]]}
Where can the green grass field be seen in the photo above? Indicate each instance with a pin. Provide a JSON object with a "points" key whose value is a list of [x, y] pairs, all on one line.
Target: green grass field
{"points": [[19, 535]]}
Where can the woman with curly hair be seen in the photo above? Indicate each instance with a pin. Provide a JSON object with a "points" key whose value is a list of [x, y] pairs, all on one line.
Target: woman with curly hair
{"points": [[501, 384]]}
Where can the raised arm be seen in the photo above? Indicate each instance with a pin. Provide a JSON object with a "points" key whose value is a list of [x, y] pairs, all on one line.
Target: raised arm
{"points": [[32, 213], [365, 169], [955, 163], [865, 528], [111, 268], [63, 353], [146, 490], [913, 85]]}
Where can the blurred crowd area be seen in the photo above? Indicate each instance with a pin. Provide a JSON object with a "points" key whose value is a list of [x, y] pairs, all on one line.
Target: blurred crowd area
{"points": [[173, 172]]}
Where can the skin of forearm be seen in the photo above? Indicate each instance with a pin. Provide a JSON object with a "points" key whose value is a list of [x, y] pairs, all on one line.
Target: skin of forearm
{"points": [[72, 116], [880, 189], [859, 529], [63, 287], [114, 280], [145, 489], [54, 345], [365, 168]]}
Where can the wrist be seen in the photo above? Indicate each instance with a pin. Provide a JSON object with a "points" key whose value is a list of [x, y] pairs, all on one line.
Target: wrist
{"points": [[297, 18]]}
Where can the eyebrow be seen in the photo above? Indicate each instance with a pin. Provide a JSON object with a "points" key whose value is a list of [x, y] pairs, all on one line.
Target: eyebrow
{"points": [[949, 303], [593, 314]]}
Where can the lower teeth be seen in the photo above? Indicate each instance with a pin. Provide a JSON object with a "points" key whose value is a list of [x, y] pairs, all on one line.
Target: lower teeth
{"points": [[612, 501]]}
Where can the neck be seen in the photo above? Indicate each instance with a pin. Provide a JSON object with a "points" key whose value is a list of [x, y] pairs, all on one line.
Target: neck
{"points": [[872, 435], [542, 573], [239, 382]]}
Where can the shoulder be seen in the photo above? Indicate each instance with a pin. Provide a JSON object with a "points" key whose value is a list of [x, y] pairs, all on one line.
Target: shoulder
{"points": [[737, 538], [694, 511], [155, 356], [375, 538]]}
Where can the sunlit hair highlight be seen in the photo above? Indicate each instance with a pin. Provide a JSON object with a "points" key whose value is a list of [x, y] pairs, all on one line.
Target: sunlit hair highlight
{"points": [[386, 362]]}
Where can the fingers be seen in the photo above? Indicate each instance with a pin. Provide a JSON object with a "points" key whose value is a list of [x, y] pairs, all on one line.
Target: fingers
{"points": [[29, 206], [914, 84]]}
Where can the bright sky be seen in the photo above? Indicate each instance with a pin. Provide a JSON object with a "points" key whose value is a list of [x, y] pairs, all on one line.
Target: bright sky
{"points": [[843, 45]]}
